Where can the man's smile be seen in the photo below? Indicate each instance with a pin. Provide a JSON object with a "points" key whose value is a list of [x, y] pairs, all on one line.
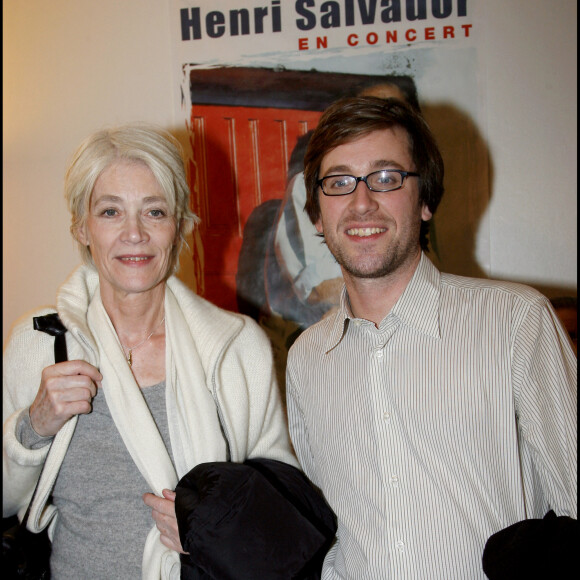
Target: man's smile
{"points": [[365, 232]]}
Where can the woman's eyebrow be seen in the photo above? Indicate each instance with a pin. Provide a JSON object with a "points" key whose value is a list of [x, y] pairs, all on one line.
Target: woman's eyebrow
{"points": [[117, 199]]}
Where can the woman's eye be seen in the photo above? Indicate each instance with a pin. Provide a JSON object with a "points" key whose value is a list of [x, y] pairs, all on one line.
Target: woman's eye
{"points": [[110, 212], [157, 212]]}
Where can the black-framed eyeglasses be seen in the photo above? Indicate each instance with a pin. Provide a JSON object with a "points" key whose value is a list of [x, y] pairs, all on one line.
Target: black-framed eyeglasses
{"points": [[383, 180]]}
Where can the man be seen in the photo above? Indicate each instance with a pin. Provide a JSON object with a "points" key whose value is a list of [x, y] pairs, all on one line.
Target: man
{"points": [[432, 410], [303, 262]]}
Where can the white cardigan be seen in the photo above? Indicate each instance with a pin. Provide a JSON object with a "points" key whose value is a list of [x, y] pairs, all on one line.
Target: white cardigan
{"points": [[214, 359]]}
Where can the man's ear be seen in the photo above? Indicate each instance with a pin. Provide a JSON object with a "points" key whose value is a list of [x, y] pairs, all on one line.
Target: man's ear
{"points": [[426, 214], [318, 225]]}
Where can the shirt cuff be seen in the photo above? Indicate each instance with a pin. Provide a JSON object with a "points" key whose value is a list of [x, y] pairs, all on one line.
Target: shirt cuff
{"points": [[26, 434]]}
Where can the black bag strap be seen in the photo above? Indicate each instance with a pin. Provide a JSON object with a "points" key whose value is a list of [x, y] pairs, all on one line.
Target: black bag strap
{"points": [[51, 324]]}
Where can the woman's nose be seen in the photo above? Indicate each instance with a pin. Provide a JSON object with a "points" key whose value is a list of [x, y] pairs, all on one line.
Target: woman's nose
{"points": [[134, 230]]}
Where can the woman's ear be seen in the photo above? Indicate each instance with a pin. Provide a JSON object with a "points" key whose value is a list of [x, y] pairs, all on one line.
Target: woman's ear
{"points": [[80, 234], [178, 230]]}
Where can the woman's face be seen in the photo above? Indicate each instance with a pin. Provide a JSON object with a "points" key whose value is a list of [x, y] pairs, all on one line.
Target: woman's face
{"points": [[129, 230]]}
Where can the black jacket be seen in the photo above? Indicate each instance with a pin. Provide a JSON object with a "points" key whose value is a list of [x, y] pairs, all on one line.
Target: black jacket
{"points": [[261, 519], [534, 548]]}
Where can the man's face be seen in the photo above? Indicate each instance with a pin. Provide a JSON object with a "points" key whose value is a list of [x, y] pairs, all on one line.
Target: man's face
{"points": [[372, 234]]}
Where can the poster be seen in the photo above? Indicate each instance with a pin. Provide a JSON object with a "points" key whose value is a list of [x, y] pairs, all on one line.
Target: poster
{"points": [[252, 79]]}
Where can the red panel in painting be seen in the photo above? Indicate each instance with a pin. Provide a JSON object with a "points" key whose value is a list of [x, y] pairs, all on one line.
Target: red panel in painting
{"points": [[240, 160]]}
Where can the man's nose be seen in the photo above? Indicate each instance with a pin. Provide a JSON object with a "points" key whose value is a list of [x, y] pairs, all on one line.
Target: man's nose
{"points": [[363, 199]]}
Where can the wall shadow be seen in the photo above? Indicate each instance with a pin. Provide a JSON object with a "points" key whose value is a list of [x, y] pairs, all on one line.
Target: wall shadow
{"points": [[203, 262], [468, 190]]}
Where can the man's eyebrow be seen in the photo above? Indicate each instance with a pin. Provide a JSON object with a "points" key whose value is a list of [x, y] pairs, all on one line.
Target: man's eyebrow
{"points": [[375, 165], [386, 164], [338, 169]]}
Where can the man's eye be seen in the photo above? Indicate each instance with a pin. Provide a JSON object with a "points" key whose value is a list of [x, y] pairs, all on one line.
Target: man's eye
{"points": [[384, 178], [340, 182]]}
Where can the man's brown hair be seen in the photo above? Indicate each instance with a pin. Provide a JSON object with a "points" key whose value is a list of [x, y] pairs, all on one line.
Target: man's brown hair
{"points": [[349, 119]]}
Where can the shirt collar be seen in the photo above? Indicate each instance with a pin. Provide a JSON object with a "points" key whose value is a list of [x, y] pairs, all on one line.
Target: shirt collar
{"points": [[339, 323], [418, 306]]}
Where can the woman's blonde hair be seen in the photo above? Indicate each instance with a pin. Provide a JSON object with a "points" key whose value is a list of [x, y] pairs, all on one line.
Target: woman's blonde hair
{"points": [[134, 142]]}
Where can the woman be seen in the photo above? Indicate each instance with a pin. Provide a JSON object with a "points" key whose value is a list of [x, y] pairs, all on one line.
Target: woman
{"points": [[158, 380]]}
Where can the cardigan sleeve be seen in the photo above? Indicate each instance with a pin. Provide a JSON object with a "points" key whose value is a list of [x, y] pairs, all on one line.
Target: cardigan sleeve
{"points": [[249, 396], [26, 354]]}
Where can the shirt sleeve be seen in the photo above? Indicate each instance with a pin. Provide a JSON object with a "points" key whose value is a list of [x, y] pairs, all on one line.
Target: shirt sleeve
{"points": [[26, 434], [297, 427], [545, 393]]}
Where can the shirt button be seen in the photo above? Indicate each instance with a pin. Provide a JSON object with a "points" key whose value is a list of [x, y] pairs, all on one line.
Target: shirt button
{"points": [[394, 481], [386, 416], [379, 353], [400, 545]]}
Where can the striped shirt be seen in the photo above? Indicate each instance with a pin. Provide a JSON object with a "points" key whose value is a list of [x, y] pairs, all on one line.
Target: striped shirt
{"points": [[453, 419]]}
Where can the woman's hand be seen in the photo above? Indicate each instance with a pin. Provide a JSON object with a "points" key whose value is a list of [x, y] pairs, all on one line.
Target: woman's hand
{"points": [[66, 389], [164, 515]]}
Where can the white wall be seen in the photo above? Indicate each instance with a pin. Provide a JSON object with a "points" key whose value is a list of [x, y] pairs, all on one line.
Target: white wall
{"points": [[71, 67], [531, 104]]}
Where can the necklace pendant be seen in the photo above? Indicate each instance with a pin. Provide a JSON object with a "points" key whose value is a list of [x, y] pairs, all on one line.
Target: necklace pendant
{"points": [[130, 350]]}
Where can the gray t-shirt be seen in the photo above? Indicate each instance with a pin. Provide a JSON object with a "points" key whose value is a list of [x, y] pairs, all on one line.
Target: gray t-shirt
{"points": [[103, 523]]}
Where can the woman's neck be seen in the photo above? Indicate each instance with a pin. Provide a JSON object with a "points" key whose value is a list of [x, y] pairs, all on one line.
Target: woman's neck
{"points": [[135, 315], [138, 319]]}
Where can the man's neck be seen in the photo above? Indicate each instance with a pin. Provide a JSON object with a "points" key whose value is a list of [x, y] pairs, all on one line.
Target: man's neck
{"points": [[373, 298]]}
